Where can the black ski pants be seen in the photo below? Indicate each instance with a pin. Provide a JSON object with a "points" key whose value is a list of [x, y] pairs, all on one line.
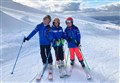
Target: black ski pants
{"points": [[45, 51]]}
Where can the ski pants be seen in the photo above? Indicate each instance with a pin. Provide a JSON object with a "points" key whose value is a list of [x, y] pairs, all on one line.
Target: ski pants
{"points": [[45, 51], [59, 53], [77, 52]]}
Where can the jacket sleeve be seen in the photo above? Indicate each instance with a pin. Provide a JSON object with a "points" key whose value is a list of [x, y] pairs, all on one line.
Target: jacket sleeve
{"points": [[50, 35], [62, 34], [78, 35], [33, 33]]}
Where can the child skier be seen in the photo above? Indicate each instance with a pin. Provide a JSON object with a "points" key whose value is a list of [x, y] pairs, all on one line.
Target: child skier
{"points": [[72, 35], [45, 40], [58, 45]]}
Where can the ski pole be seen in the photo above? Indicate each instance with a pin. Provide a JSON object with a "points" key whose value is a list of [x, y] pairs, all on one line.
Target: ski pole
{"points": [[84, 60], [83, 57], [67, 58], [17, 57]]}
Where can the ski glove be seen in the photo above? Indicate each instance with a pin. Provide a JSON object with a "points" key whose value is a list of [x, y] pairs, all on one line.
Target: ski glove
{"points": [[57, 42], [62, 41], [25, 39], [77, 43]]}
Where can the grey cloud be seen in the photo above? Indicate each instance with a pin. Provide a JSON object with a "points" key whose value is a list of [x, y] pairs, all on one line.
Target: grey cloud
{"points": [[112, 7], [72, 7], [89, 10]]}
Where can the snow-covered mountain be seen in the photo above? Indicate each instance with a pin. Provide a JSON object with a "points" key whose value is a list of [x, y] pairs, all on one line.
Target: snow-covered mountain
{"points": [[13, 5], [100, 46]]}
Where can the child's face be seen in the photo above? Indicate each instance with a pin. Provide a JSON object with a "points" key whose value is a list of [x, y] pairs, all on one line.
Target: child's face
{"points": [[56, 24], [69, 24], [46, 21]]}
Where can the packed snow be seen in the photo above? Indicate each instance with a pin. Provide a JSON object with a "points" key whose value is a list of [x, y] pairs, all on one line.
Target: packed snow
{"points": [[100, 47]]}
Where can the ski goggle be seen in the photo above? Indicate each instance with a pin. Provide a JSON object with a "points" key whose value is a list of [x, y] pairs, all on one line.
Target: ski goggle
{"points": [[68, 21]]}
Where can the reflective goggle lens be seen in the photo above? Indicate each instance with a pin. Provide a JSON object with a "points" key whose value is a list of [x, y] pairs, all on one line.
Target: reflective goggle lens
{"points": [[68, 21]]}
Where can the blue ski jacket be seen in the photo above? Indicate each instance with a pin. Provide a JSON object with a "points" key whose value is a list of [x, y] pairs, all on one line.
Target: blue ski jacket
{"points": [[57, 35], [73, 33], [45, 34]]}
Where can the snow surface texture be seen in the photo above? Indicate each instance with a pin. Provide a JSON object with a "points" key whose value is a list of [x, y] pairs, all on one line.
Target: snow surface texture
{"points": [[100, 46]]}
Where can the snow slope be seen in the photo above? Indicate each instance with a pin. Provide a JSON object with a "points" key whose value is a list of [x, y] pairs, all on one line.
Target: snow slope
{"points": [[100, 46]]}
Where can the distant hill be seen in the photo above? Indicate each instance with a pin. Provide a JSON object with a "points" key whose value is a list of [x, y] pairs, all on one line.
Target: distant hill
{"points": [[112, 19]]}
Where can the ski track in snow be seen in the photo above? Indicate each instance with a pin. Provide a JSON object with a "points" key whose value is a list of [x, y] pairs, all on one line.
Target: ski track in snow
{"points": [[100, 47]]}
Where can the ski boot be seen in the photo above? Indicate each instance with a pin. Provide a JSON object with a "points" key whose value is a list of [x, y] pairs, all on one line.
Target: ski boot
{"points": [[50, 72], [62, 69], [82, 63], [58, 64], [72, 63]]}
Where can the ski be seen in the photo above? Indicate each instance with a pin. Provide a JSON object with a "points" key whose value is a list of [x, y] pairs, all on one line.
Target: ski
{"points": [[88, 76], [50, 76], [38, 78], [70, 71], [50, 72], [33, 78], [61, 75], [60, 72], [40, 74], [63, 72], [66, 74]]}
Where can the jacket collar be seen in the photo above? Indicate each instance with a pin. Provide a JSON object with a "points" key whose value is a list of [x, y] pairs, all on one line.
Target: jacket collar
{"points": [[56, 27], [71, 27], [44, 25]]}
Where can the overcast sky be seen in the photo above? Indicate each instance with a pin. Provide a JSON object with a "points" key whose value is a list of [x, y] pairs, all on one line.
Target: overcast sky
{"points": [[73, 5]]}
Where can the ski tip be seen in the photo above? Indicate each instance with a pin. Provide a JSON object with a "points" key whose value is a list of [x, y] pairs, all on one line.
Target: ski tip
{"points": [[89, 78], [11, 72], [37, 80], [50, 79], [67, 75], [61, 76]]}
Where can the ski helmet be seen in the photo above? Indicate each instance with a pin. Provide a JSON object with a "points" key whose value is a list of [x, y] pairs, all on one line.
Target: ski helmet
{"points": [[47, 16], [69, 19]]}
